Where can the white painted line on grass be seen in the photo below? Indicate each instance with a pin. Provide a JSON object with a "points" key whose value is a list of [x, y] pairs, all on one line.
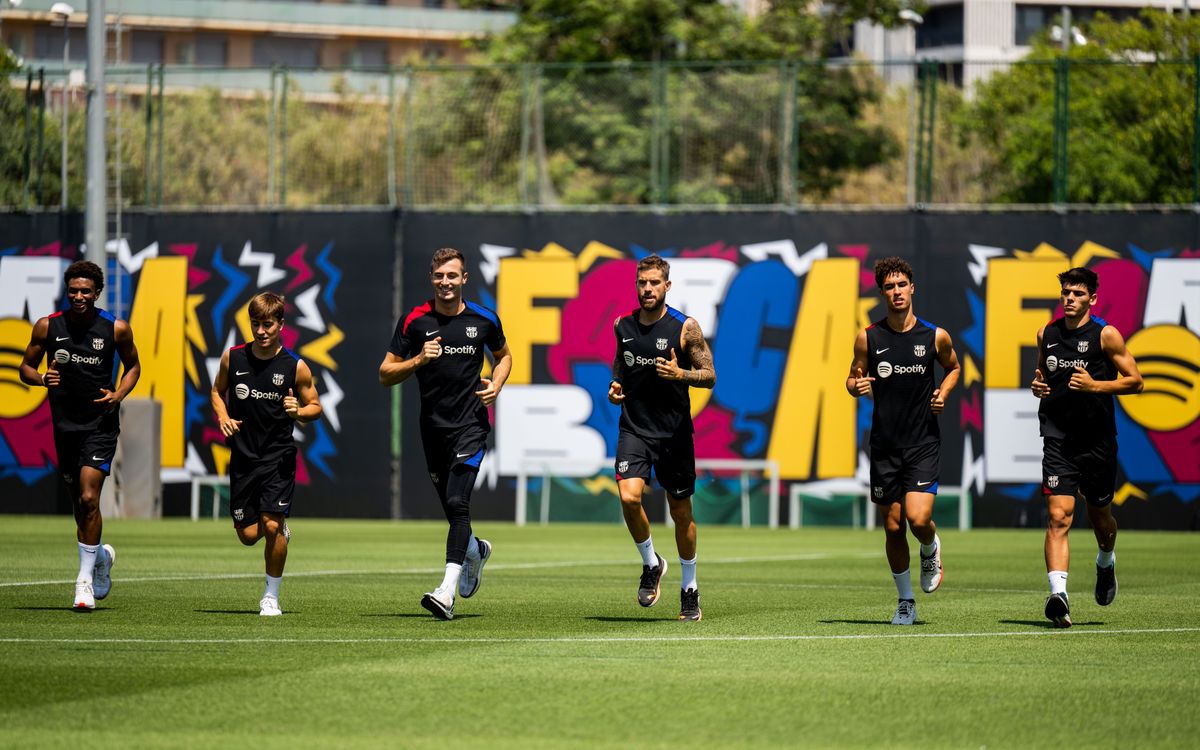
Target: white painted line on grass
{"points": [[441, 569], [610, 639]]}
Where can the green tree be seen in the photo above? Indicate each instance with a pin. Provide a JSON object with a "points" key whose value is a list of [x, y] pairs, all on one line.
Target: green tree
{"points": [[1130, 115]]}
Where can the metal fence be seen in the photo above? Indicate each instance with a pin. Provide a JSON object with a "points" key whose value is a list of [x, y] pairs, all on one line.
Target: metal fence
{"points": [[536, 137]]}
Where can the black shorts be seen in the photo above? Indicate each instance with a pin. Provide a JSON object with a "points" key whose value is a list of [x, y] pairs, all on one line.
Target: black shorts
{"points": [[445, 449], [897, 472], [1080, 467], [261, 487], [673, 460], [76, 449]]}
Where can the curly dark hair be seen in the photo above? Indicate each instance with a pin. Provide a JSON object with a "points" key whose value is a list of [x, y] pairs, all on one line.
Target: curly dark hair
{"points": [[654, 261], [888, 266], [85, 269]]}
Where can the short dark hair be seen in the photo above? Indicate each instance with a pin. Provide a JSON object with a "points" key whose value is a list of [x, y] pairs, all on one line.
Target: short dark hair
{"points": [[85, 269], [654, 261], [444, 255], [888, 266], [1083, 276], [266, 305]]}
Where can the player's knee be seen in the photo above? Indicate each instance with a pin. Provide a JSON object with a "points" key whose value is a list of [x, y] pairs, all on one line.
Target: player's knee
{"points": [[271, 526], [1059, 519], [246, 537], [458, 506], [681, 512], [89, 501], [920, 525]]}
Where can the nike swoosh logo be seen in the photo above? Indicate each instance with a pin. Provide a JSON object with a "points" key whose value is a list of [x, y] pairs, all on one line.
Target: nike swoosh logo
{"points": [[1051, 346], [97, 458], [62, 338], [626, 341], [881, 351], [240, 372], [431, 333], [922, 484], [463, 455]]}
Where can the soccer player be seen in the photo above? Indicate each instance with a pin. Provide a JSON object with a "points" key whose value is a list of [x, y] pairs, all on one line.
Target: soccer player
{"points": [[442, 342], [82, 342], [268, 388], [893, 363], [660, 353], [1082, 364]]}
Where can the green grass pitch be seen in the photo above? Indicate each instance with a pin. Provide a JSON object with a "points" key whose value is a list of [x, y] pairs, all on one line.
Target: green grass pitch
{"points": [[795, 649]]}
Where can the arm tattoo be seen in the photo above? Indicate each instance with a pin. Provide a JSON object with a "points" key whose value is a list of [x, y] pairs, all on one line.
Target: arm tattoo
{"points": [[702, 374]]}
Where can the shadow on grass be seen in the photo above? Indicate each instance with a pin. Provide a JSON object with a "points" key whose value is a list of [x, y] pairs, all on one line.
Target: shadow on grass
{"points": [[598, 618], [1046, 624], [882, 623], [64, 609], [231, 611], [413, 615]]}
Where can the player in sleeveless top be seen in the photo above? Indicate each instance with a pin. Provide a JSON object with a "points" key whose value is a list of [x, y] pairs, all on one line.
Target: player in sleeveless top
{"points": [[81, 343], [894, 364], [442, 342], [660, 354], [262, 389], [1082, 364]]}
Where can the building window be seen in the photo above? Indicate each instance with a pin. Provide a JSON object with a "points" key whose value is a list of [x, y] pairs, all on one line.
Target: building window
{"points": [[434, 3], [294, 52], [943, 27], [48, 43], [366, 55], [147, 47], [212, 50]]}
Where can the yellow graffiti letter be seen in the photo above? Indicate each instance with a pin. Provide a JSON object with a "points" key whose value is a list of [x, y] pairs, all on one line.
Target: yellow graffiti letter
{"points": [[158, 321], [521, 281]]}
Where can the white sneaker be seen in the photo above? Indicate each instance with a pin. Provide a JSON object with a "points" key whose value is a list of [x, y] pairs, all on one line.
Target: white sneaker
{"points": [[101, 578], [269, 607], [85, 601], [906, 612], [931, 568], [440, 603], [472, 571]]}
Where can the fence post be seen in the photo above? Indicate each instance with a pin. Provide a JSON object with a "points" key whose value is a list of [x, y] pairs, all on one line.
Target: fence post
{"points": [[664, 150], [795, 126], [283, 157], [149, 131], [523, 166], [28, 138], [1061, 124], [787, 100], [162, 84], [654, 127], [409, 148], [391, 149], [271, 142], [41, 131]]}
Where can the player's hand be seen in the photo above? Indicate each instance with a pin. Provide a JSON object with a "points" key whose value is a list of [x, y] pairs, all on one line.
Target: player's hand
{"points": [[1081, 380], [229, 427], [487, 393], [431, 351], [108, 400], [862, 386], [615, 393], [291, 405], [937, 403], [51, 378], [668, 369], [1039, 386]]}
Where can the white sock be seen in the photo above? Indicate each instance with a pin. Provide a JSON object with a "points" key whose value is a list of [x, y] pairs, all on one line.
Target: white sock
{"points": [[927, 550], [903, 585], [1058, 581], [688, 567], [1106, 559], [273, 587], [473, 548], [87, 561], [450, 582], [649, 557]]}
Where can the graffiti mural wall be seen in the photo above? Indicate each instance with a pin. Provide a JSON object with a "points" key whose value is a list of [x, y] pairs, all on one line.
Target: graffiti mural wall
{"points": [[781, 297], [184, 283]]}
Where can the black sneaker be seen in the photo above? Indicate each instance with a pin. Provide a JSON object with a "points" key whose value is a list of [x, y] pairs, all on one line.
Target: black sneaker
{"points": [[1106, 584], [689, 604], [651, 582], [1057, 610]]}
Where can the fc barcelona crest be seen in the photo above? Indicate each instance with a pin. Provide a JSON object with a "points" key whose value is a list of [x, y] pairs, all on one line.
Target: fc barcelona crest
{"points": [[1083, 346], [661, 344], [98, 344], [1052, 481], [472, 332], [277, 378], [919, 350]]}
